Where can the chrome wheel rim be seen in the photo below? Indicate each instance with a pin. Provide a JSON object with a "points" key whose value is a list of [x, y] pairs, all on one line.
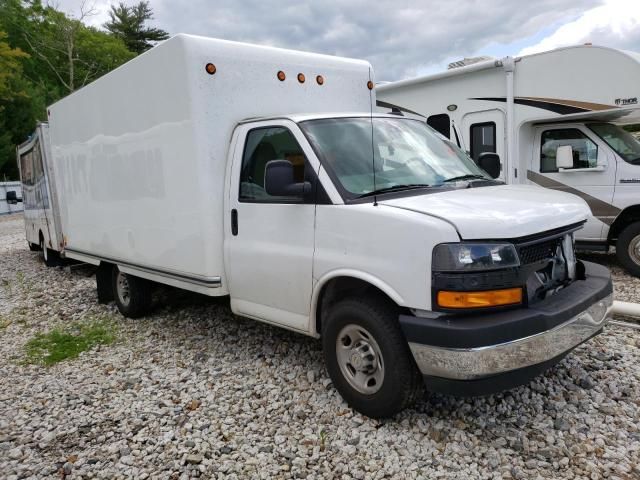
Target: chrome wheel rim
{"points": [[360, 359], [634, 249], [122, 288]]}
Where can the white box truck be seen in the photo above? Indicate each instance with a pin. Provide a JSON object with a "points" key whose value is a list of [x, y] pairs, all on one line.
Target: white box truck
{"points": [[215, 167], [525, 109]]}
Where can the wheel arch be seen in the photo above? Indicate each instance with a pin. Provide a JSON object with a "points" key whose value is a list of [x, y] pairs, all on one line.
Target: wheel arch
{"points": [[338, 284], [629, 215]]}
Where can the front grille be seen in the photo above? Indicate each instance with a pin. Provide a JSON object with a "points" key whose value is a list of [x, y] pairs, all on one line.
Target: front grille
{"points": [[539, 252]]}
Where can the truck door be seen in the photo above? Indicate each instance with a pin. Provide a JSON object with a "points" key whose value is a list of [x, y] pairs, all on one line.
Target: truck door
{"points": [[484, 132], [591, 177], [269, 241]]}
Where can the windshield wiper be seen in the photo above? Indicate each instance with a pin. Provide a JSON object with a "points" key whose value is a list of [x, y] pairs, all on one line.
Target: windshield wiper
{"points": [[394, 188], [466, 177]]}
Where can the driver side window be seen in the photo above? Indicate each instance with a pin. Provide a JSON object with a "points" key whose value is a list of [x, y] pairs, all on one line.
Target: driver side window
{"points": [[262, 146], [585, 151]]}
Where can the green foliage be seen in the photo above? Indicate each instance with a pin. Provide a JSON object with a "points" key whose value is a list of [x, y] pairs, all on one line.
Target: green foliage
{"points": [[127, 23], [46, 54], [57, 345]]}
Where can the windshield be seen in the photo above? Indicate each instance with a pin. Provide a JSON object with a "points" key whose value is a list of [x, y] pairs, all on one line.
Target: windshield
{"points": [[407, 154], [625, 144]]}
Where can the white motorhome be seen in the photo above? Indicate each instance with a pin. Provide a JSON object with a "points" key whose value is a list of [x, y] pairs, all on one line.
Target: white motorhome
{"points": [[215, 167], [41, 212], [525, 109]]}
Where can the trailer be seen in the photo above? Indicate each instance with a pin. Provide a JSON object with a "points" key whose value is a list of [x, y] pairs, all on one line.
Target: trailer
{"points": [[264, 175], [10, 198], [40, 199], [525, 109]]}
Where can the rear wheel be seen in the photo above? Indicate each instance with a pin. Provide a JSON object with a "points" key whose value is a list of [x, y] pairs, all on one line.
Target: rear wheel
{"points": [[132, 294], [368, 358], [628, 249], [49, 257]]}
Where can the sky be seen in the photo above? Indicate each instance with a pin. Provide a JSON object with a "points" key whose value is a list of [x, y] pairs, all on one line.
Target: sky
{"points": [[402, 38]]}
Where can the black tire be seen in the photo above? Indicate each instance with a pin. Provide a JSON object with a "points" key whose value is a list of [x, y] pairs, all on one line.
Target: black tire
{"points": [[401, 382], [136, 301], [628, 248], [34, 247], [49, 257]]}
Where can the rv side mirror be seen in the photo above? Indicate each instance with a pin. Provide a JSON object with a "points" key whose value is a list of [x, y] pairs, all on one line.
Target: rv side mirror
{"points": [[490, 163], [12, 198], [564, 157], [279, 180]]}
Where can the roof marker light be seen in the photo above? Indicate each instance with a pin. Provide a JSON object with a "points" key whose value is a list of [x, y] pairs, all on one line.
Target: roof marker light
{"points": [[301, 77], [370, 85], [210, 68], [281, 76], [320, 79]]}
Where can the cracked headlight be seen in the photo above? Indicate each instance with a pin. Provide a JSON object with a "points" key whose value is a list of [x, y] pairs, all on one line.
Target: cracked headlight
{"points": [[464, 257]]}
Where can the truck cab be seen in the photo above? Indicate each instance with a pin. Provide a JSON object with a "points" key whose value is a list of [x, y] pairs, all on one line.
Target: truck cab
{"points": [[411, 263], [601, 164]]}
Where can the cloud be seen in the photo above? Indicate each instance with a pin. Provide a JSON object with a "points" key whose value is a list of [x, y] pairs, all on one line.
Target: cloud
{"points": [[400, 38], [614, 24]]}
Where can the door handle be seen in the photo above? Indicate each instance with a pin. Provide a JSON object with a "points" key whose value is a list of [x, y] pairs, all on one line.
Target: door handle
{"points": [[234, 222]]}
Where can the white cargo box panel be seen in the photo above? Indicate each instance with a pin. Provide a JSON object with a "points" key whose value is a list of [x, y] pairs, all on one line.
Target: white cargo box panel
{"points": [[140, 154]]}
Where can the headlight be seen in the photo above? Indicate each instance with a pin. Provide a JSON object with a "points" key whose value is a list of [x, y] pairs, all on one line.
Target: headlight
{"points": [[464, 257]]}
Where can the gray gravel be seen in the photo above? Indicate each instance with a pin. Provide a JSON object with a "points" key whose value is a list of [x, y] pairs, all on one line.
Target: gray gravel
{"points": [[192, 391]]}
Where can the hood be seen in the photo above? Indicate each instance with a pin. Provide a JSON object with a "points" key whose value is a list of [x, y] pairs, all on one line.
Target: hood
{"points": [[504, 211]]}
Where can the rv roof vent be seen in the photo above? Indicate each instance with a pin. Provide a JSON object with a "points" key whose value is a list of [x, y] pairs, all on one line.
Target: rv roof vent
{"points": [[469, 61]]}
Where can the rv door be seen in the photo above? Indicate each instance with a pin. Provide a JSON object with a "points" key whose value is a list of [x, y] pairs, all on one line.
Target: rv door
{"points": [[571, 158], [484, 132]]}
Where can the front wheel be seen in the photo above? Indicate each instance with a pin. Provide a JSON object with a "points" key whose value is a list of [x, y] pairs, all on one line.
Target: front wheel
{"points": [[628, 248], [368, 358], [132, 294]]}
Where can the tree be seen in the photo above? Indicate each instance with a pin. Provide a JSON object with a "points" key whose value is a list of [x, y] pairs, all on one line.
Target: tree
{"points": [[127, 23], [75, 53], [10, 89]]}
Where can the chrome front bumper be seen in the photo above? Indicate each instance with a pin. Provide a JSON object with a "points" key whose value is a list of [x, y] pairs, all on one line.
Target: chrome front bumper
{"points": [[487, 361]]}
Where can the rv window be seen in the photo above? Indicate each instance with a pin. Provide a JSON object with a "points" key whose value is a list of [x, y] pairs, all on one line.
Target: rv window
{"points": [[483, 139], [585, 152], [262, 146], [441, 124]]}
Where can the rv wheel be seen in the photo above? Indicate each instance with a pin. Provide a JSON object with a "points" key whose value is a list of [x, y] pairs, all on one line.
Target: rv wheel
{"points": [[628, 249], [48, 255], [132, 294], [368, 358]]}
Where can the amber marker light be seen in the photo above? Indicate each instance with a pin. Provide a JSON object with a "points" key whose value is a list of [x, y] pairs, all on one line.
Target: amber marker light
{"points": [[210, 68], [281, 76], [489, 298], [320, 79], [301, 77], [370, 85]]}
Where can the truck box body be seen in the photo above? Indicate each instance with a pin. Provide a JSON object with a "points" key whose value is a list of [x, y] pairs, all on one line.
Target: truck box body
{"points": [[141, 153]]}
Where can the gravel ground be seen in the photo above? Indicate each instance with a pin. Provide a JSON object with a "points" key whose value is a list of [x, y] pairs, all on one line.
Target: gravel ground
{"points": [[192, 391]]}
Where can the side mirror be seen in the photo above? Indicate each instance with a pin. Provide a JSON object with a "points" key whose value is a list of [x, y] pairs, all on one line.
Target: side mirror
{"points": [[279, 180], [490, 163], [564, 157], [12, 198]]}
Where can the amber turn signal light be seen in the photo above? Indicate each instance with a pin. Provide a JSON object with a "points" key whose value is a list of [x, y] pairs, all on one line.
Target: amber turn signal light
{"points": [[370, 85], [489, 298], [210, 68]]}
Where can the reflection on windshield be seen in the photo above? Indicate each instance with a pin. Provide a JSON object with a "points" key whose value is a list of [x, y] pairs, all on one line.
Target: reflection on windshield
{"points": [[625, 144], [405, 153]]}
